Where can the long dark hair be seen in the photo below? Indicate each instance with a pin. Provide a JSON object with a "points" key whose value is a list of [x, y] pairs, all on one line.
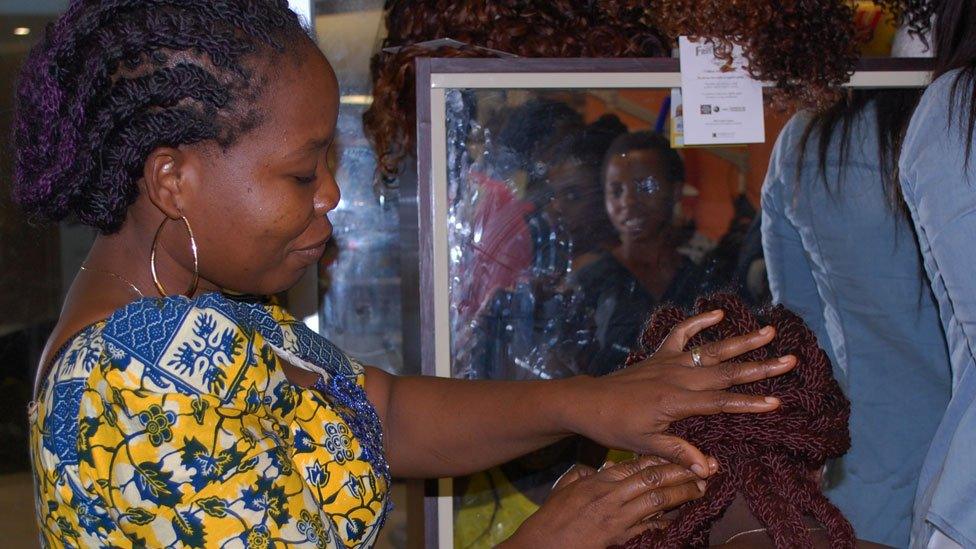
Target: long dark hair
{"points": [[955, 48], [893, 110]]}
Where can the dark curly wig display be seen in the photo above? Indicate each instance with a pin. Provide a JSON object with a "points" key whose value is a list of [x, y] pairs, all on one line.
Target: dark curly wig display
{"points": [[767, 458], [114, 79]]}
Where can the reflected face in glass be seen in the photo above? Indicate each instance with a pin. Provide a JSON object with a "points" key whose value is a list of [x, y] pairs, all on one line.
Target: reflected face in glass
{"points": [[576, 195], [638, 195]]}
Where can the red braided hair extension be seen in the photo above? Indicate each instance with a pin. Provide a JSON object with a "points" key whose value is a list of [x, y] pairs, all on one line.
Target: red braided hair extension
{"points": [[767, 458]]}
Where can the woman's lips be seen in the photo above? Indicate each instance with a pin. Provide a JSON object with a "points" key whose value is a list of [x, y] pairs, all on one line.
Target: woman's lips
{"points": [[314, 252], [634, 223]]}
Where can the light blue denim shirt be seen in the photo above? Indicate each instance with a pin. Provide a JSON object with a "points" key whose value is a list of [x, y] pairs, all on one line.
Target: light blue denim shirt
{"points": [[848, 264], [941, 194]]}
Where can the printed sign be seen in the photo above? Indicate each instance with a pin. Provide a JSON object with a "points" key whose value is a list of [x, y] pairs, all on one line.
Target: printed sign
{"points": [[720, 106]]}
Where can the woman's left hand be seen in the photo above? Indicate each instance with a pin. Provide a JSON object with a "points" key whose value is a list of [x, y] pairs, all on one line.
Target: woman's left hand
{"points": [[630, 409], [596, 509]]}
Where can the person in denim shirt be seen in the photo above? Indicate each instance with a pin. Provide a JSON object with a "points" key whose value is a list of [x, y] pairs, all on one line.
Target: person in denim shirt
{"points": [[840, 252]]}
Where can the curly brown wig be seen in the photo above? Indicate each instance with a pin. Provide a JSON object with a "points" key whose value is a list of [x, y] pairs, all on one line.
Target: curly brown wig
{"points": [[767, 458], [558, 28], [808, 48]]}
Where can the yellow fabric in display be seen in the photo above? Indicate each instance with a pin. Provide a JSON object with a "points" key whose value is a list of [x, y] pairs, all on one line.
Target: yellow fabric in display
{"points": [[490, 511]]}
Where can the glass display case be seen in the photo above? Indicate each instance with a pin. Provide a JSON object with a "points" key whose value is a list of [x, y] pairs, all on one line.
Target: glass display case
{"points": [[554, 211]]}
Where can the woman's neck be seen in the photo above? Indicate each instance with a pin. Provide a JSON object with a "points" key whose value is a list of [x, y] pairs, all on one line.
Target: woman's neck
{"points": [[739, 525], [126, 253], [645, 249], [737, 519]]}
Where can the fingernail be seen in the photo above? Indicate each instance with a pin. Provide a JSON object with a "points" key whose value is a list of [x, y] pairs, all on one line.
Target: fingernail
{"points": [[771, 400], [701, 486], [713, 465], [766, 331], [698, 470], [716, 312], [785, 359]]}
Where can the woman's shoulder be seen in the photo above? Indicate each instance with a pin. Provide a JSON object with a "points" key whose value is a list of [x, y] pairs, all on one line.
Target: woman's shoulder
{"points": [[74, 359], [201, 345], [600, 273], [176, 344], [790, 138], [938, 134], [194, 346], [945, 100], [944, 86], [799, 141]]}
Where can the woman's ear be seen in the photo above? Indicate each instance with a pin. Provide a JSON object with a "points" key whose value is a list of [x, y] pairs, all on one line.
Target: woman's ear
{"points": [[163, 180]]}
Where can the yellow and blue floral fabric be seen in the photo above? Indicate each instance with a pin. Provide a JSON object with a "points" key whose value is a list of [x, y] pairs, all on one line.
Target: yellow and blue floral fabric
{"points": [[172, 424]]}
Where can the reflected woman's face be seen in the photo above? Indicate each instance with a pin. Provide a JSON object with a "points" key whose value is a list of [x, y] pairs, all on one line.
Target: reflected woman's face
{"points": [[639, 197], [576, 196]]}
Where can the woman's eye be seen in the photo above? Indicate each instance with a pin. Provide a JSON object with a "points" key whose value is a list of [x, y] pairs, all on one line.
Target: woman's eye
{"points": [[306, 180]]}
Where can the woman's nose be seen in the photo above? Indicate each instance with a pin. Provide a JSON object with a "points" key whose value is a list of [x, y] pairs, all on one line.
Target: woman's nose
{"points": [[628, 196], [327, 196]]}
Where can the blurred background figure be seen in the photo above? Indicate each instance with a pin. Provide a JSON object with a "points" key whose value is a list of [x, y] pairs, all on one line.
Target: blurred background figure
{"points": [[575, 182]]}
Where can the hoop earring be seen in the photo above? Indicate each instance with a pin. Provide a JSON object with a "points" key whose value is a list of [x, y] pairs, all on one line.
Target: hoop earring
{"points": [[196, 259]]}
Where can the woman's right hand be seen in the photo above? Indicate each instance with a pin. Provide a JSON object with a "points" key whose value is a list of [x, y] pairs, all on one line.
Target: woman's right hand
{"points": [[633, 408], [598, 509]]}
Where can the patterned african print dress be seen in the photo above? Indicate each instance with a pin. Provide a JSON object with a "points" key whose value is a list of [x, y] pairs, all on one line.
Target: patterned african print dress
{"points": [[172, 424]]}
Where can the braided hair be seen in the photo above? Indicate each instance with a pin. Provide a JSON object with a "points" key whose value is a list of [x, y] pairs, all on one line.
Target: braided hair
{"points": [[114, 79], [768, 458]]}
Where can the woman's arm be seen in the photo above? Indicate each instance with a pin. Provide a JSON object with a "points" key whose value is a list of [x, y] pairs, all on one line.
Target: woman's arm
{"points": [[436, 427], [442, 427]]}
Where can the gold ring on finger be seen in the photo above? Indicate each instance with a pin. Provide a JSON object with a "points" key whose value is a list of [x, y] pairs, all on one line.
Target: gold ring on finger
{"points": [[696, 357]]}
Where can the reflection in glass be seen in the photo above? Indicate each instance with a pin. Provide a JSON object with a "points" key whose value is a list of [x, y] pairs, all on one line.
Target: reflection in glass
{"points": [[570, 219]]}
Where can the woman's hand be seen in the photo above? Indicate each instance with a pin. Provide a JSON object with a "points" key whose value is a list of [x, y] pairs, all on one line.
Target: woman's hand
{"points": [[631, 408], [597, 509]]}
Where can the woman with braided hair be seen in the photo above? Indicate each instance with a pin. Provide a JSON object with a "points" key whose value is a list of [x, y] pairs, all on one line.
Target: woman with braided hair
{"points": [[175, 406], [766, 489]]}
